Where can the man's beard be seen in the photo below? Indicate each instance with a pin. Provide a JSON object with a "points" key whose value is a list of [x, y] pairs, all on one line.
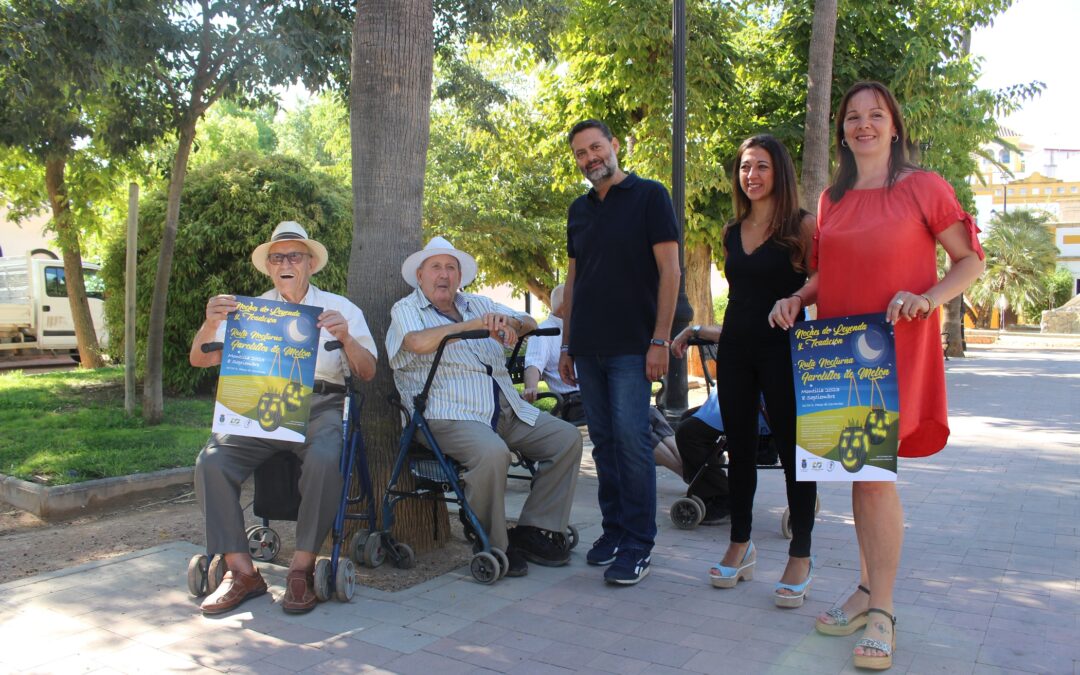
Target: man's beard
{"points": [[602, 172]]}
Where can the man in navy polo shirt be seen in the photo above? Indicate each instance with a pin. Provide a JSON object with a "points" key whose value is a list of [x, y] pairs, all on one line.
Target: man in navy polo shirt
{"points": [[621, 288]]}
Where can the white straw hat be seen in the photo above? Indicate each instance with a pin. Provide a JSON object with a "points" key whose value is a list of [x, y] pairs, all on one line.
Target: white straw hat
{"points": [[289, 230], [438, 246]]}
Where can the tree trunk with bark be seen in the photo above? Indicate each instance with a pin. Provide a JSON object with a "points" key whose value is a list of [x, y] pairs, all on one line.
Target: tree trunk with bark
{"points": [[393, 50], [699, 293], [153, 401], [815, 156], [68, 236]]}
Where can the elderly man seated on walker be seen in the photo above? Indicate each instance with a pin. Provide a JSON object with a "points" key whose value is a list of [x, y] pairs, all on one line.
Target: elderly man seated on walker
{"points": [[289, 259], [474, 412]]}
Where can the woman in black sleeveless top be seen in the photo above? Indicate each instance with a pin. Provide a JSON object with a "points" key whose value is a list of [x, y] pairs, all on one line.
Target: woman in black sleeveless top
{"points": [[766, 246]]}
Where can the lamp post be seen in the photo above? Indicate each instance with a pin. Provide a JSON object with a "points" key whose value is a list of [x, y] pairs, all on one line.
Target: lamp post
{"points": [[675, 386]]}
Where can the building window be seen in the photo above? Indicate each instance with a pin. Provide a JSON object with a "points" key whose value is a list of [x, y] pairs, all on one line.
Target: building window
{"points": [[1010, 191], [1034, 191], [1003, 156], [997, 192], [1061, 190], [1023, 191]]}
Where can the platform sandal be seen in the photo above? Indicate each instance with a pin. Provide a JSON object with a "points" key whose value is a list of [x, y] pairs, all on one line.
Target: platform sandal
{"points": [[843, 624], [722, 576], [797, 591], [884, 661]]}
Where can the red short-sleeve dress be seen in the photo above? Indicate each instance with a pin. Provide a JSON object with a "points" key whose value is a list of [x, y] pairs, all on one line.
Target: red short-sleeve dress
{"points": [[873, 243]]}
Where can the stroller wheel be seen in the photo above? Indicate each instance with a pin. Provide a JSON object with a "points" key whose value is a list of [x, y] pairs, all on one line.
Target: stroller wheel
{"points": [[322, 579], [699, 500], [406, 559], [504, 562], [785, 524], [215, 573], [263, 543], [196, 575], [686, 513], [484, 568], [356, 547], [374, 553], [345, 583]]}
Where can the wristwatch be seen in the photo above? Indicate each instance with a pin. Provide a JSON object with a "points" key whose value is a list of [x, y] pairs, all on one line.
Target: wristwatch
{"points": [[657, 342], [695, 331]]}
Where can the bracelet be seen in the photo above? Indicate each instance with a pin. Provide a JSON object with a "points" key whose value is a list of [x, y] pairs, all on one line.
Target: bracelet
{"points": [[659, 342], [929, 301], [564, 348]]}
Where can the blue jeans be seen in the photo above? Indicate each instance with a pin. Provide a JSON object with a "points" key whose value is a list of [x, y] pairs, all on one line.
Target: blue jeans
{"points": [[616, 393]]}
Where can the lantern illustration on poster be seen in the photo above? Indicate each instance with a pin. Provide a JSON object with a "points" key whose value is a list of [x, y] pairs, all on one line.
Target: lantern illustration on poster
{"points": [[854, 440]]}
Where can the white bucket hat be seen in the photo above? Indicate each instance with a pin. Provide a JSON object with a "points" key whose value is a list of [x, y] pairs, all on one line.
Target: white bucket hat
{"points": [[289, 230], [438, 246]]}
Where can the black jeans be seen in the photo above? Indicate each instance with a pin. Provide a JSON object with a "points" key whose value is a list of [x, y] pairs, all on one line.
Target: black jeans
{"points": [[744, 369]]}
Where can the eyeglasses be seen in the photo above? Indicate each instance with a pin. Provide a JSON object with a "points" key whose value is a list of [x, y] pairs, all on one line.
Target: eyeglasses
{"points": [[294, 257]]}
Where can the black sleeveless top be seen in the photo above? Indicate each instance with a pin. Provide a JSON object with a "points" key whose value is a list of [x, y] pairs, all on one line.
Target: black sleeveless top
{"points": [[755, 282]]}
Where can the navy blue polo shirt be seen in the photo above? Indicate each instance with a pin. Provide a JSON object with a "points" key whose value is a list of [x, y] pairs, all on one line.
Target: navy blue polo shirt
{"points": [[616, 280]]}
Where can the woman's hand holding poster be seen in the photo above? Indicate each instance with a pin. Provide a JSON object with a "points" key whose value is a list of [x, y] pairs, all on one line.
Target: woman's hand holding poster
{"points": [[846, 399], [267, 370]]}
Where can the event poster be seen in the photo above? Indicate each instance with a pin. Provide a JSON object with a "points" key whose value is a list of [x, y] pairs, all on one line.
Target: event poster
{"points": [[846, 398], [267, 370]]}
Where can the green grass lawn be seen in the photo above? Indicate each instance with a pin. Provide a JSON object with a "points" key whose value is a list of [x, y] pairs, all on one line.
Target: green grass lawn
{"points": [[67, 427]]}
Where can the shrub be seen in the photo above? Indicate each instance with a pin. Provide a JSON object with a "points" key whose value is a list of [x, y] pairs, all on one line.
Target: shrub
{"points": [[229, 207]]}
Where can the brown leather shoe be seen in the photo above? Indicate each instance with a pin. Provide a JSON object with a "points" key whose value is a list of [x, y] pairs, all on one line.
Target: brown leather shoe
{"points": [[299, 592], [235, 588]]}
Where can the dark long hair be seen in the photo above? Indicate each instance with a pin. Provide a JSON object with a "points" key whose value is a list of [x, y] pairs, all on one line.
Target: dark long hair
{"points": [[846, 170], [786, 226]]}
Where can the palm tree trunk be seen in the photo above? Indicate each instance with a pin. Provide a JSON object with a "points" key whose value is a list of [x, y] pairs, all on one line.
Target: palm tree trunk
{"points": [[815, 158], [68, 236], [699, 293], [393, 51]]}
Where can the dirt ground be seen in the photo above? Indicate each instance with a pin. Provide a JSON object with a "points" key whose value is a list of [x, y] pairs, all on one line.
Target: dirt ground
{"points": [[29, 545]]}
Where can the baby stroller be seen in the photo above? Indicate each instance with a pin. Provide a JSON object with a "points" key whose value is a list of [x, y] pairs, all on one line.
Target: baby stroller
{"points": [[688, 512], [277, 497]]}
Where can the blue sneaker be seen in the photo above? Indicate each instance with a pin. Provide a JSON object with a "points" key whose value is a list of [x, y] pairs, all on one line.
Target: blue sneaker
{"points": [[630, 567], [603, 550]]}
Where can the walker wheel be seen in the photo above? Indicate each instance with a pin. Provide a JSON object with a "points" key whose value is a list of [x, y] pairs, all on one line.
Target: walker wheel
{"points": [[504, 562], [785, 523], [215, 573], [196, 575], [263, 543], [356, 546], [686, 513], [484, 568], [345, 583], [406, 559], [374, 553], [572, 537], [322, 580]]}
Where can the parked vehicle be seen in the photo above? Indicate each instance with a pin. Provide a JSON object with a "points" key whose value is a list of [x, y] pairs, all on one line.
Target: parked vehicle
{"points": [[34, 309]]}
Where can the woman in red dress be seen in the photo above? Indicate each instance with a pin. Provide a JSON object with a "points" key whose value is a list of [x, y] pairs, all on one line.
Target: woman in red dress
{"points": [[878, 227]]}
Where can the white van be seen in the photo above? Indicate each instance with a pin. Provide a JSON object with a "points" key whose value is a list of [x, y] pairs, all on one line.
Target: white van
{"points": [[34, 309]]}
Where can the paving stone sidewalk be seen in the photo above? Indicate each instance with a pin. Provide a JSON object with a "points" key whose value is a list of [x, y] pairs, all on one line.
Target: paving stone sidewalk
{"points": [[989, 581]]}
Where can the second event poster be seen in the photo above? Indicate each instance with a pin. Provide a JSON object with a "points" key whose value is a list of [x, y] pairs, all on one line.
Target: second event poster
{"points": [[846, 398], [267, 370]]}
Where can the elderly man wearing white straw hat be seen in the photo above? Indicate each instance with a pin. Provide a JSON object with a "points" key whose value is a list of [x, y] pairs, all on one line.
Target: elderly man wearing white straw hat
{"points": [[474, 412], [289, 259]]}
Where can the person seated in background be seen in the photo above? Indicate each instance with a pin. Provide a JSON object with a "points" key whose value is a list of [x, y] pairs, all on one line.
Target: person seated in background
{"points": [[289, 259], [473, 410], [542, 362]]}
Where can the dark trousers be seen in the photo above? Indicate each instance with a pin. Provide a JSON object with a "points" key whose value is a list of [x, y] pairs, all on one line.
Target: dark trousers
{"points": [[702, 467], [743, 370]]}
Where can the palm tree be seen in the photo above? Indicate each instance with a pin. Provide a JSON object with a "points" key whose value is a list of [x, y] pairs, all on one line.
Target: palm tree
{"points": [[1020, 252], [815, 158]]}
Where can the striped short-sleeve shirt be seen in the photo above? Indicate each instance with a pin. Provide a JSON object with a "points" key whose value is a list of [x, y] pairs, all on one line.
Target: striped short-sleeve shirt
{"points": [[470, 371]]}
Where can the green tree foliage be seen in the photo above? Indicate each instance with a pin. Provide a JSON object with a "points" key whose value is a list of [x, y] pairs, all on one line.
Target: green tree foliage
{"points": [[317, 132], [233, 205], [1020, 255], [917, 49], [1059, 288]]}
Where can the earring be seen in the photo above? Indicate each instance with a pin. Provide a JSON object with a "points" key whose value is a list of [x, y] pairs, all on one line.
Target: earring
{"points": [[895, 137], [843, 142]]}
